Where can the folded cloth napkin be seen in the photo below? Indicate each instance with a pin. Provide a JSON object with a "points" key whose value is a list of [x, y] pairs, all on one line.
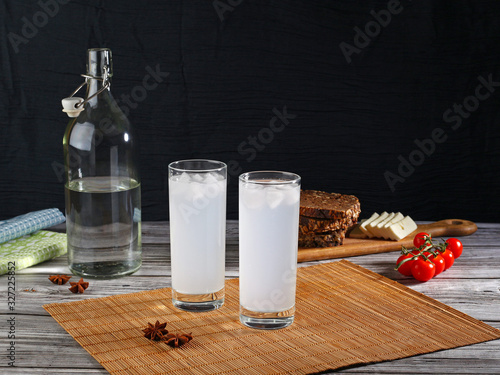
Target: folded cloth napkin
{"points": [[31, 249], [29, 223]]}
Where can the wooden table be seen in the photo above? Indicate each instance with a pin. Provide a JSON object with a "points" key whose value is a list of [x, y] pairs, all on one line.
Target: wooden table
{"points": [[42, 346]]}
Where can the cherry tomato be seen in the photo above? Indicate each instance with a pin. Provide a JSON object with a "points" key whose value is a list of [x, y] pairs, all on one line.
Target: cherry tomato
{"points": [[439, 263], [423, 270], [419, 239], [449, 259], [455, 246], [405, 268]]}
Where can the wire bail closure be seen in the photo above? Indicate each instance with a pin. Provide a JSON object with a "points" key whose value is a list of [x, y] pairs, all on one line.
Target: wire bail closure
{"points": [[74, 105]]}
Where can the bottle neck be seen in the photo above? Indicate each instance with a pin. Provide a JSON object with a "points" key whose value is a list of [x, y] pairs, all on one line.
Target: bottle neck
{"points": [[96, 85], [100, 68]]}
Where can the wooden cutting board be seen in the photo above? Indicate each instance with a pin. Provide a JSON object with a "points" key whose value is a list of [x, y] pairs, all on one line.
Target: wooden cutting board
{"points": [[356, 246]]}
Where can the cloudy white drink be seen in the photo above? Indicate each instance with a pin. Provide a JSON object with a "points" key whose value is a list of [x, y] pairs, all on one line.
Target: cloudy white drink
{"points": [[197, 199], [268, 225]]}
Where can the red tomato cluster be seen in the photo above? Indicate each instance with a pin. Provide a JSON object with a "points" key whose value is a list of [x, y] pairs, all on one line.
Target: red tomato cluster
{"points": [[428, 259]]}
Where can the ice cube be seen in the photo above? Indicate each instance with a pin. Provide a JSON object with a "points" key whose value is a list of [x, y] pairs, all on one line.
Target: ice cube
{"points": [[183, 178], [292, 196], [195, 195], [251, 186], [252, 196], [291, 193], [177, 183], [274, 197], [197, 177], [211, 178], [214, 189]]}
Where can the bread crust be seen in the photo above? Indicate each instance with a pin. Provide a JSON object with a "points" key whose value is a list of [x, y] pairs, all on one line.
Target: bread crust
{"points": [[328, 239], [323, 205], [308, 225]]}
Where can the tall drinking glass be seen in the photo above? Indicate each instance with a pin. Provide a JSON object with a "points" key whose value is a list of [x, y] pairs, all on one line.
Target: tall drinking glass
{"points": [[197, 201], [269, 204]]}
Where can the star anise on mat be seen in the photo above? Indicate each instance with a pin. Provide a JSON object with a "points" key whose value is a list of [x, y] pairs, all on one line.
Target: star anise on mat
{"points": [[177, 339], [78, 287], [59, 279], [156, 331]]}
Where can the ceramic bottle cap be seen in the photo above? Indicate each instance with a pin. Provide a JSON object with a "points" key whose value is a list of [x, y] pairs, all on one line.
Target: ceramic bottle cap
{"points": [[71, 106]]}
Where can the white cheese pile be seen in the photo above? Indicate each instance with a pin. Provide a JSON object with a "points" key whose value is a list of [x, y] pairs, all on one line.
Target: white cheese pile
{"points": [[393, 226]]}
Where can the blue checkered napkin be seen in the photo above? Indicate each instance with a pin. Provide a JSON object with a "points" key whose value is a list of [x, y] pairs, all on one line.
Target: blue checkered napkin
{"points": [[25, 224]]}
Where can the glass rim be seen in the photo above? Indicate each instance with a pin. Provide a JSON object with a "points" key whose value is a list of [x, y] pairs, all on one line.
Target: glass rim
{"points": [[220, 165], [290, 178], [97, 49]]}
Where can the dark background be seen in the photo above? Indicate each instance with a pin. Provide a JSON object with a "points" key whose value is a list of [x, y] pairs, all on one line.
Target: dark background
{"points": [[231, 62]]}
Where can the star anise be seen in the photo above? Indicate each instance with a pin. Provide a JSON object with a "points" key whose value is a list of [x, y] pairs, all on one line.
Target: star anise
{"points": [[78, 287], [156, 331], [59, 279], [177, 339]]}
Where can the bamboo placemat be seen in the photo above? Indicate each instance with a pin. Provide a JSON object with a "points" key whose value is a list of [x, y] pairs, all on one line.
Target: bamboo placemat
{"points": [[345, 315]]}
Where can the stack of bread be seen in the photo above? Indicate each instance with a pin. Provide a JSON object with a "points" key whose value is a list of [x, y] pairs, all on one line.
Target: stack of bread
{"points": [[326, 217]]}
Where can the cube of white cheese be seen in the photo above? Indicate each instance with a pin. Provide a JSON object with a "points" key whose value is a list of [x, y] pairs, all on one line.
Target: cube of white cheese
{"points": [[384, 231], [377, 230], [371, 227], [366, 222], [401, 229]]}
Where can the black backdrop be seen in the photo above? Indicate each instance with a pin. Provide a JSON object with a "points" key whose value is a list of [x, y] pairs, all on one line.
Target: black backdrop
{"points": [[395, 102]]}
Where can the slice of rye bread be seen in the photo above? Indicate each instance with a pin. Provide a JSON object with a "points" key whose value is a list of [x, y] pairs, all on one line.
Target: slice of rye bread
{"points": [[328, 239], [308, 225], [334, 206]]}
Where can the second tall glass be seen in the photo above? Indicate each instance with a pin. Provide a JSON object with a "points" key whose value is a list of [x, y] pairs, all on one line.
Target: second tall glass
{"points": [[269, 222], [197, 201]]}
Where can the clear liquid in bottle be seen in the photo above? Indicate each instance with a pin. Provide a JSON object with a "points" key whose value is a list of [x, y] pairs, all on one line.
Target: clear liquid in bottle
{"points": [[103, 226]]}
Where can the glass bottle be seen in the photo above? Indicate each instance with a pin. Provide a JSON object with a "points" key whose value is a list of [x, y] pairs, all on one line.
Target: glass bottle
{"points": [[102, 191]]}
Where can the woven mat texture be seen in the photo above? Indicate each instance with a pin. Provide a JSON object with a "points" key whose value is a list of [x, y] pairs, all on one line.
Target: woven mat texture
{"points": [[346, 315]]}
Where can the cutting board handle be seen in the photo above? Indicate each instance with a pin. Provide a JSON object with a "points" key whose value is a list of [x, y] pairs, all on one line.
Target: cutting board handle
{"points": [[451, 227]]}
